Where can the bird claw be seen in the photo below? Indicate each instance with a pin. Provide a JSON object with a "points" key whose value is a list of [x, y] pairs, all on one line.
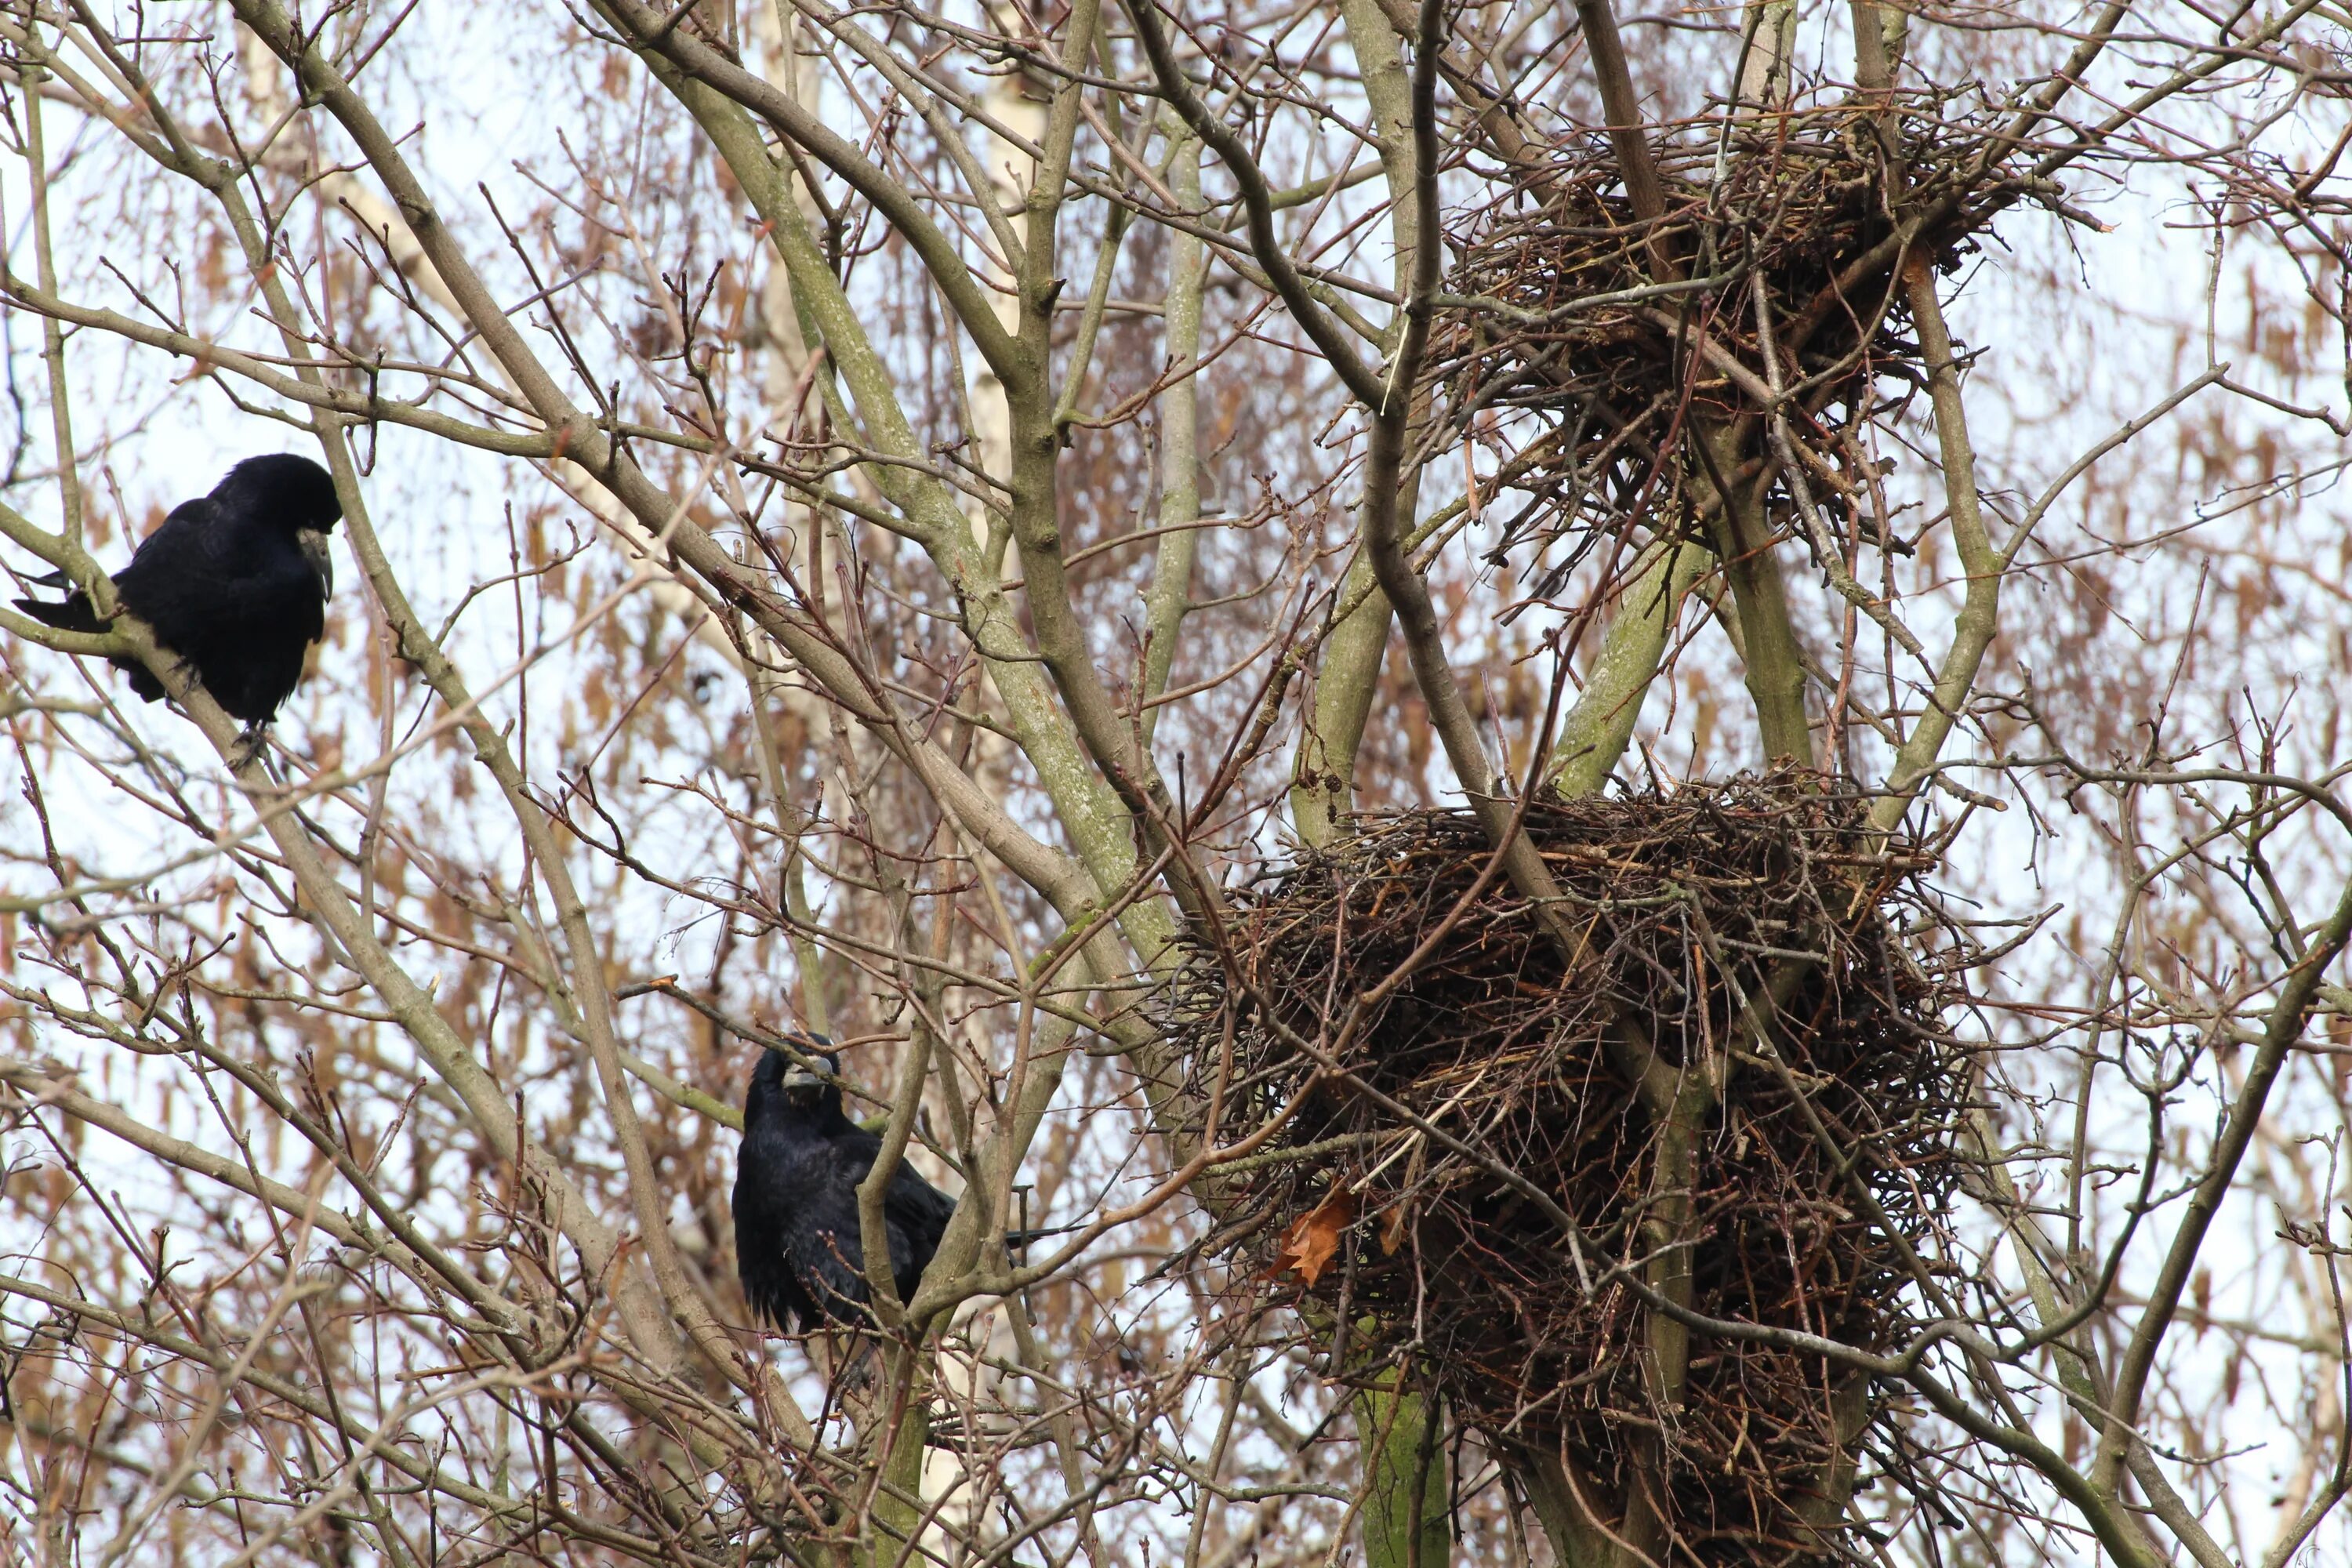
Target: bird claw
{"points": [[856, 1365], [251, 743]]}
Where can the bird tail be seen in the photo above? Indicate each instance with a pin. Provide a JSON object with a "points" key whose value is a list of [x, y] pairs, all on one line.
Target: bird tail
{"points": [[73, 614], [1013, 1238]]}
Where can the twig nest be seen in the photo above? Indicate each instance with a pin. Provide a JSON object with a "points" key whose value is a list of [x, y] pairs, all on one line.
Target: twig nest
{"points": [[1601, 340], [1790, 1157]]}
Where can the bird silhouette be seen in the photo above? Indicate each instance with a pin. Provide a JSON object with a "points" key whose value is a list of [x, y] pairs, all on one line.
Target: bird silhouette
{"points": [[234, 583], [798, 1247]]}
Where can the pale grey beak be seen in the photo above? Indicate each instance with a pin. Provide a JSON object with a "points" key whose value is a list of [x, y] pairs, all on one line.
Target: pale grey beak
{"points": [[323, 564], [798, 1077]]}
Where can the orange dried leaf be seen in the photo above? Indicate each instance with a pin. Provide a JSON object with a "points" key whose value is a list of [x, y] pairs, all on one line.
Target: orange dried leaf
{"points": [[1314, 1236]]}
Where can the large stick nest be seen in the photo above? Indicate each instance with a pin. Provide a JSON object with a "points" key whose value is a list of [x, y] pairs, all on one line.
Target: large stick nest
{"points": [[1396, 1202]]}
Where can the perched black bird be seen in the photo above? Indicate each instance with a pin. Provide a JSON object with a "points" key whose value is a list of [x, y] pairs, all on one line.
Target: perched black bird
{"points": [[797, 1247], [236, 583]]}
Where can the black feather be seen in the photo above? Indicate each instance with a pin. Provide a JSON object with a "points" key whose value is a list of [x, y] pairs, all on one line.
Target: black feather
{"points": [[797, 1245], [236, 583]]}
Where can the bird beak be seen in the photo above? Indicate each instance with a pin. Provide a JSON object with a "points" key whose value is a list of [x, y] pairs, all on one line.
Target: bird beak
{"points": [[315, 551], [802, 1084]]}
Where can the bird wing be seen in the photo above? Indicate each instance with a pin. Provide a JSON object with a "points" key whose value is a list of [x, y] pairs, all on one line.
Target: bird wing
{"points": [[181, 580], [780, 1247], [183, 546], [918, 1206], [758, 1248], [914, 1212], [918, 1212], [821, 1239]]}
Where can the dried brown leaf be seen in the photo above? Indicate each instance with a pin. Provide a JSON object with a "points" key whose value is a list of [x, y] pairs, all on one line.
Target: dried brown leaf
{"points": [[1314, 1236]]}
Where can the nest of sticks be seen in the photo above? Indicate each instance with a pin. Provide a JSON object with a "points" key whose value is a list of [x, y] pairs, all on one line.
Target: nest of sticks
{"points": [[1621, 335], [1431, 1140]]}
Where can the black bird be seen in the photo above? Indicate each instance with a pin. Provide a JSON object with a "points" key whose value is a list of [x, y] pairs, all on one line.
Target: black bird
{"points": [[234, 583], [797, 1245]]}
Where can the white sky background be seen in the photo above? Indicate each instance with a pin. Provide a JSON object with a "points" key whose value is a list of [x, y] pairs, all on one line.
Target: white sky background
{"points": [[2080, 332]]}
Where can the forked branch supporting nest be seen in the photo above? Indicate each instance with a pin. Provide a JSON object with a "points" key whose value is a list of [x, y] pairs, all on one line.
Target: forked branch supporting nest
{"points": [[1790, 969]]}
